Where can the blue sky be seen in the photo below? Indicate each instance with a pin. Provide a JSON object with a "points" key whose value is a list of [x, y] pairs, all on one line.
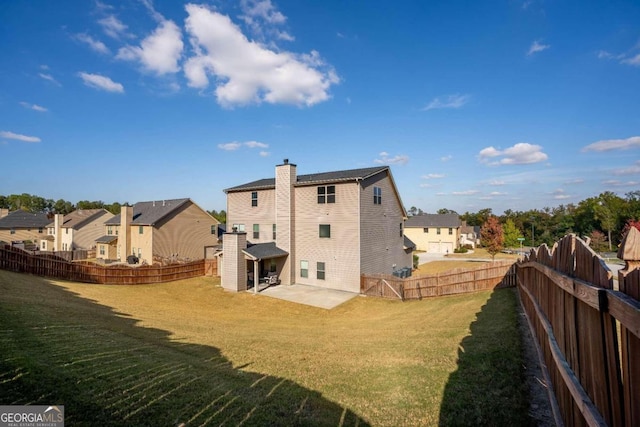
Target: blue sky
{"points": [[514, 104]]}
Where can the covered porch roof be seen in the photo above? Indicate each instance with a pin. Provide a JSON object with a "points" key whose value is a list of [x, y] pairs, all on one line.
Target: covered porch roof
{"points": [[261, 251]]}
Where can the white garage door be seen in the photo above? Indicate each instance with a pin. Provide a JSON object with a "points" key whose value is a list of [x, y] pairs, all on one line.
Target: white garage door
{"points": [[440, 247]]}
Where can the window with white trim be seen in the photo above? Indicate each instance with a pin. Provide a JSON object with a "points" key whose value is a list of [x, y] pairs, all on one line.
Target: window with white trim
{"points": [[320, 270], [377, 195], [304, 268]]}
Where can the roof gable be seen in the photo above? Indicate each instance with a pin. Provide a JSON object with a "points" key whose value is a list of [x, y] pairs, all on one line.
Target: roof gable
{"points": [[79, 218]]}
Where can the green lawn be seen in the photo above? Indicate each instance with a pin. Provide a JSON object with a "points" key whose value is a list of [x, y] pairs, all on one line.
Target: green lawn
{"points": [[189, 352]]}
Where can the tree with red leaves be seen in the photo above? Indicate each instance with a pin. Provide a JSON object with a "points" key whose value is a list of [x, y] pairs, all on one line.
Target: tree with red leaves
{"points": [[630, 223], [492, 236]]}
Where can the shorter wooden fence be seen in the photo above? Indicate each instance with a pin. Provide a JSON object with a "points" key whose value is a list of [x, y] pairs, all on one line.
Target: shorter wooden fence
{"points": [[490, 275], [49, 265]]}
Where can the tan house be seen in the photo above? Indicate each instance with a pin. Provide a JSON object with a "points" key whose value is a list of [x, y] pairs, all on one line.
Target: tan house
{"points": [[23, 226], [434, 233], [323, 229], [167, 229], [76, 230]]}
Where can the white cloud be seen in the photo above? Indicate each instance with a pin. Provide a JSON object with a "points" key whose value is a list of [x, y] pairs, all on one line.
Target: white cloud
{"points": [[113, 27], [615, 183], [446, 158], [18, 137], [559, 194], [497, 193], [536, 46], [465, 193], [235, 145], [631, 170], [97, 81], [614, 144], [256, 144], [635, 60], [50, 78], [95, 45], [262, 18], [574, 181], [35, 107], [521, 153], [497, 183], [449, 101], [433, 176], [230, 146], [247, 72], [384, 159], [159, 52], [264, 154], [427, 185]]}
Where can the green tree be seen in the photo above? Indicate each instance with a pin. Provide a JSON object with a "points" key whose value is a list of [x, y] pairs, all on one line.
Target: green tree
{"points": [[492, 236], [511, 234]]}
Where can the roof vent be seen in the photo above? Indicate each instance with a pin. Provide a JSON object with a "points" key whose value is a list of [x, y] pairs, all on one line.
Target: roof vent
{"points": [[286, 161]]}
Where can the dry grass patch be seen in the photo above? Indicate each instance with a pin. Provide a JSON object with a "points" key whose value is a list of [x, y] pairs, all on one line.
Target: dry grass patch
{"points": [[188, 350]]}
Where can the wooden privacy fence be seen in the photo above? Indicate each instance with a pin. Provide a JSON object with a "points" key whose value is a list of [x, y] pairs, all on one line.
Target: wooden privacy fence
{"points": [[47, 265], [490, 275], [568, 296]]}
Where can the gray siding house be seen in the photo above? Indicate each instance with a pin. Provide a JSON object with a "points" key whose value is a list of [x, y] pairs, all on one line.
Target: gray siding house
{"points": [[323, 229]]}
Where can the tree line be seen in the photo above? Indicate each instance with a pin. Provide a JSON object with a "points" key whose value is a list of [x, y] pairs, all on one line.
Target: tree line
{"points": [[603, 219], [37, 204]]}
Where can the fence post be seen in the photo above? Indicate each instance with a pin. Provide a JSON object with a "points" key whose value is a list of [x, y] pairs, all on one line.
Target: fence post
{"points": [[629, 283]]}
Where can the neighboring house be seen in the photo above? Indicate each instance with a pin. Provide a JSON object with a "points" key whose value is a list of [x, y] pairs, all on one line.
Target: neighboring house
{"points": [[177, 229], [323, 229], [23, 226], [76, 230], [434, 233], [469, 235]]}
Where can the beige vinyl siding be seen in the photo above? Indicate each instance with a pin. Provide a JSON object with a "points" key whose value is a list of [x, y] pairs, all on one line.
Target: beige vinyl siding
{"points": [[432, 241], [240, 211], [381, 245], [85, 237], [23, 234], [142, 244], [340, 252], [66, 238], [186, 233]]}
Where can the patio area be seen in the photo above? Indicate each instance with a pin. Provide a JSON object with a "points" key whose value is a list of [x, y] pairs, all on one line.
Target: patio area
{"points": [[309, 295]]}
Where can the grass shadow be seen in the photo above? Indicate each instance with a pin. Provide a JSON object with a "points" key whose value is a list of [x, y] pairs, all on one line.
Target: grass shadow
{"points": [[107, 370], [489, 388]]}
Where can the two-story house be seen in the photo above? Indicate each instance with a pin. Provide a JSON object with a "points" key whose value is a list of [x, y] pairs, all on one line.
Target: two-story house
{"points": [[169, 229], [322, 229], [435, 233], [76, 230], [22, 226]]}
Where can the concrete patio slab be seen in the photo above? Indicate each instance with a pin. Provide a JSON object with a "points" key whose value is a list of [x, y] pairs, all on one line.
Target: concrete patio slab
{"points": [[309, 295]]}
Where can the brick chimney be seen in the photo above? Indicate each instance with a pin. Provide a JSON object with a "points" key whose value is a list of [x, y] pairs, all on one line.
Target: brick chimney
{"points": [[124, 236], [286, 177], [58, 220]]}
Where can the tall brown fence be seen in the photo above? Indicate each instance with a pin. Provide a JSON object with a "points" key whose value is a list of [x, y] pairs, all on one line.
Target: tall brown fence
{"points": [[569, 298], [49, 265], [490, 275]]}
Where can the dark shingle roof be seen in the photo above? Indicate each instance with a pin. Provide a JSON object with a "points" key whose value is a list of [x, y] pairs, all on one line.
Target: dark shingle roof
{"points": [[408, 244], [314, 178], [433, 220], [149, 213], [24, 219], [265, 251], [107, 239]]}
